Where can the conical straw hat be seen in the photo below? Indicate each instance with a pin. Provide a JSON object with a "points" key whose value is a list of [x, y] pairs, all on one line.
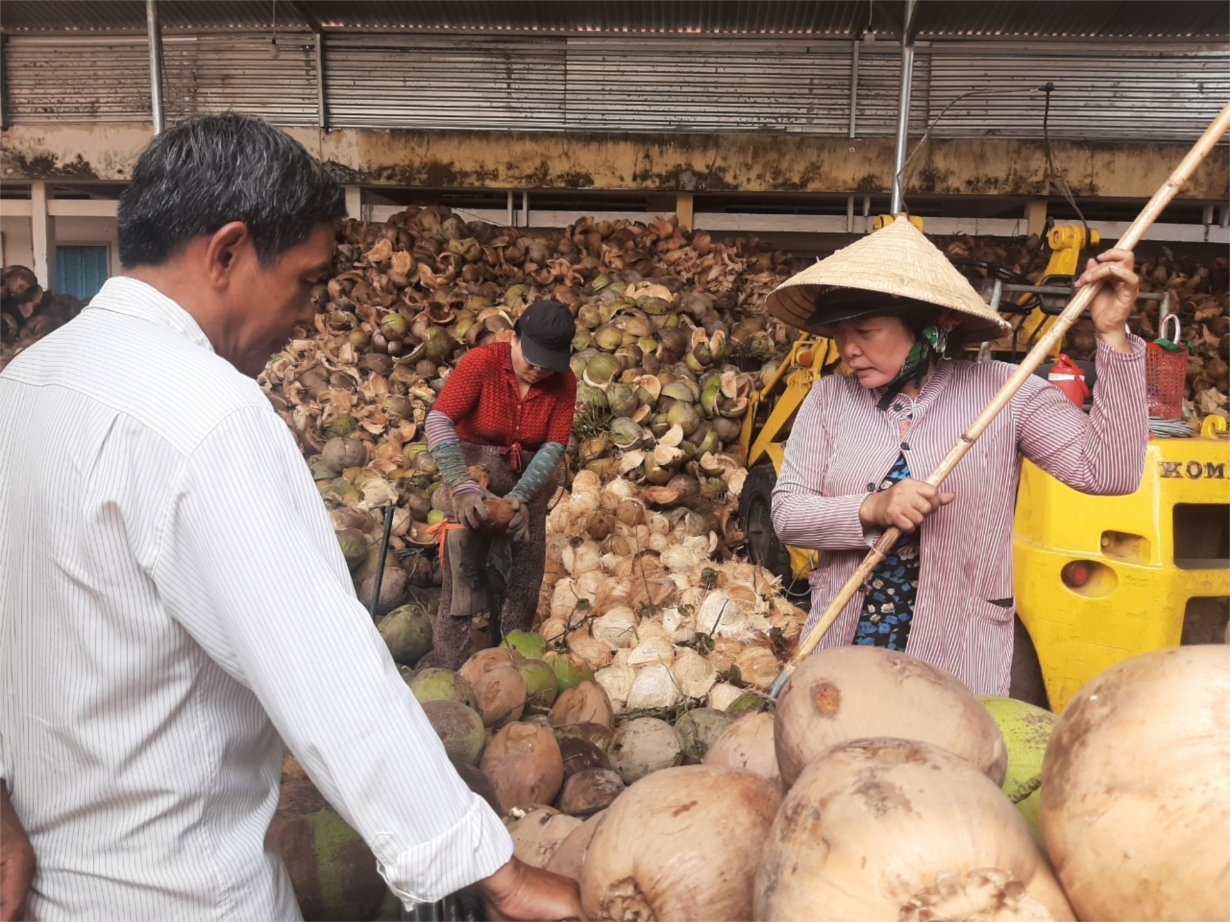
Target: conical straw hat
{"points": [[898, 262]]}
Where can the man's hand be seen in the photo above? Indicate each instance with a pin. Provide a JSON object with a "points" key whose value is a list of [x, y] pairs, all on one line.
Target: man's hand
{"points": [[470, 507], [518, 891], [1113, 304], [904, 505], [519, 524], [16, 862]]}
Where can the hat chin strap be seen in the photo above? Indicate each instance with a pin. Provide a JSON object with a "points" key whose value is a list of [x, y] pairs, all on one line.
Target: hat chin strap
{"points": [[932, 342]]}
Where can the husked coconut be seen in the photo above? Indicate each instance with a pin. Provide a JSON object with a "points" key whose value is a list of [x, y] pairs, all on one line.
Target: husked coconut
{"points": [[524, 764], [747, 743], [1135, 789], [586, 703], [589, 791], [616, 679], [538, 834], [758, 667], [846, 693], [723, 694], [617, 627], [909, 831], [569, 858], [654, 688], [484, 661], [644, 746], [683, 843], [693, 674], [499, 696]]}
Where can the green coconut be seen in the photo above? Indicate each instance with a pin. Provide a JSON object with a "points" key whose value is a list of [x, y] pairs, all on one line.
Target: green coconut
{"points": [[529, 644], [332, 871], [1027, 730], [354, 546], [342, 426], [436, 684], [570, 670], [541, 686], [698, 728], [624, 432], [407, 633], [459, 728], [749, 703], [621, 400], [601, 368]]}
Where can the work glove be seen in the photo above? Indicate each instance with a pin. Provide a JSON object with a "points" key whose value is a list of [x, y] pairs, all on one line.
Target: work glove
{"points": [[519, 524], [470, 506]]}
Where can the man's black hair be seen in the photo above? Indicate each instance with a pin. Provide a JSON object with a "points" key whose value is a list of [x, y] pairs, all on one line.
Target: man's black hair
{"points": [[209, 171]]}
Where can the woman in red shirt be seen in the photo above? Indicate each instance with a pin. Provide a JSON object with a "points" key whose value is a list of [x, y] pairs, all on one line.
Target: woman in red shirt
{"points": [[506, 407]]}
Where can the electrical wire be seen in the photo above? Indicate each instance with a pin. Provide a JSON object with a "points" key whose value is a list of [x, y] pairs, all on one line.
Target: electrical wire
{"points": [[1053, 173]]}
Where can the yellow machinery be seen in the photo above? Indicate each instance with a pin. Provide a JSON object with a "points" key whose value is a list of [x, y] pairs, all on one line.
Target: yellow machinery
{"points": [[1098, 579]]}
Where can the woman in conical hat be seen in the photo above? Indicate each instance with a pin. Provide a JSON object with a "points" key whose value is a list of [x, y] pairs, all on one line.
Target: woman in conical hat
{"points": [[863, 443]]}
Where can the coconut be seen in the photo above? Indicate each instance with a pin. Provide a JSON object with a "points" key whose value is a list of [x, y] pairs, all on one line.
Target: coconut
{"points": [[1027, 730], [749, 703], [331, 869], [433, 684], [845, 693], [484, 661], [579, 754], [524, 764], [698, 729], [459, 728], [748, 744], [723, 695], [478, 782], [1135, 791], [353, 544], [654, 688], [598, 734], [500, 696], [570, 670], [407, 633], [392, 590], [538, 834], [586, 703], [540, 684], [665, 848], [589, 791], [569, 858], [340, 454], [527, 643], [616, 680], [643, 746], [909, 831]]}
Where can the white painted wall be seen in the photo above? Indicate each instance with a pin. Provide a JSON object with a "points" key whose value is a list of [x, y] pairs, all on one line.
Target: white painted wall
{"points": [[92, 231], [18, 241]]}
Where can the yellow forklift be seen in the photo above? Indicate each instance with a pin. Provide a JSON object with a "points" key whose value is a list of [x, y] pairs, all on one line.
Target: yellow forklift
{"points": [[1098, 579]]}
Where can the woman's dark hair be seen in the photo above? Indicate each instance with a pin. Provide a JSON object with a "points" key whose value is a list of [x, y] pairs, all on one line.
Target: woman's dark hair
{"points": [[209, 171]]}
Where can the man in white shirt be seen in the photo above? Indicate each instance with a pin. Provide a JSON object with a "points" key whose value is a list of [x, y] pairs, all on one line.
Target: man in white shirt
{"points": [[174, 604]]}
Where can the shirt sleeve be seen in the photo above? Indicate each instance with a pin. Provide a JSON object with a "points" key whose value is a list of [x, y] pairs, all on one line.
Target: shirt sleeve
{"points": [[251, 568], [803, 516], [1103, 453], [459, 396], [559, 427]]}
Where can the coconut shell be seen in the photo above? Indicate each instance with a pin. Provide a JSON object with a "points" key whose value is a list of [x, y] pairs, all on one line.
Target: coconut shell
{"points": [[698, 729], [644, 746], [484, 661], [525, 766], [589, 791], [747, 744], [598, 734], [586, 703], [499, 696]]}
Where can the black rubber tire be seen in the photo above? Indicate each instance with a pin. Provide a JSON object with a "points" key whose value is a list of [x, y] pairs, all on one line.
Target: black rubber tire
{"points": [[763, 547], [1026, 683]]}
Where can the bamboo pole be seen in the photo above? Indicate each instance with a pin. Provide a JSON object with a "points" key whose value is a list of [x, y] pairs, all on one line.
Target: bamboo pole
{"points": [[1029, 364]]}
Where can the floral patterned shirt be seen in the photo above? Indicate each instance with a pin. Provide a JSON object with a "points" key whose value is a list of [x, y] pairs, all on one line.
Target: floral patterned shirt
{"points": [[888, 597]]}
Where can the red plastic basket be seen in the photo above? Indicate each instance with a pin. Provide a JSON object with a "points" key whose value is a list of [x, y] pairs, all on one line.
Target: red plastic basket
{"points": [[1165, 376]]}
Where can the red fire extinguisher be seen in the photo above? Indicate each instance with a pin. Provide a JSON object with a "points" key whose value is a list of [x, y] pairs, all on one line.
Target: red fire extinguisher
{"points": [[1069, 378]]}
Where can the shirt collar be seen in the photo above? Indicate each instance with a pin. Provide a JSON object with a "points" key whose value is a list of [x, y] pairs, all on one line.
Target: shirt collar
{"points": [[933, 386], [124, 295]]}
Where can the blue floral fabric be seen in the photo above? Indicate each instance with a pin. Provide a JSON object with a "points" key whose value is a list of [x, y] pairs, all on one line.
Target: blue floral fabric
{"points": [[888, 599]]}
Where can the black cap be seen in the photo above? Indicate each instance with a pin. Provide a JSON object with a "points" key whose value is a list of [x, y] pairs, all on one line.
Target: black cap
{"points": [[546, 329]]}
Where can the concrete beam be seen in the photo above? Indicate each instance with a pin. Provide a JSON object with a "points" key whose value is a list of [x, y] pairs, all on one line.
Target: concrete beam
{"points": [[673, 163], [42, 235]]}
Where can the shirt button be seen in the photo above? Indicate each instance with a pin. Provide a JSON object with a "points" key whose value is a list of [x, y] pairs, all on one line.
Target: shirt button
{"points": [[905, 446], [871, 487]]}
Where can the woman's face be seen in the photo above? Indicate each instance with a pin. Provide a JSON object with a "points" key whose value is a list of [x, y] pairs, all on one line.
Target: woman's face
{"points": [[530, 374], [874, 347]]}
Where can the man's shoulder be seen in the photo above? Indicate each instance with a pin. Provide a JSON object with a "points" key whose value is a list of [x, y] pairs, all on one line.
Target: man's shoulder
{"points": [[141, 370]]}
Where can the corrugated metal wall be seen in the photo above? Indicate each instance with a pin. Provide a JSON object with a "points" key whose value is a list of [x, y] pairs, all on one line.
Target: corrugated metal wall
{"points": [[1111, 92]]}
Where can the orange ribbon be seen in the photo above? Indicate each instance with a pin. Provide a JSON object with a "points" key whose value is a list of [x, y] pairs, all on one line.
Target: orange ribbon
{"points": [[440, 531]]}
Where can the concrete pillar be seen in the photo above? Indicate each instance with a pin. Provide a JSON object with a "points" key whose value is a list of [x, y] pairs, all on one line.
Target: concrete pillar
{"points": [[1035, 216], [354, 202], [42, 235], [684, 202]]}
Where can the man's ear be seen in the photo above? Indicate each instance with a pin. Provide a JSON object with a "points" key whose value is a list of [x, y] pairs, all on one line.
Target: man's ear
{"points": [[223, 252]]}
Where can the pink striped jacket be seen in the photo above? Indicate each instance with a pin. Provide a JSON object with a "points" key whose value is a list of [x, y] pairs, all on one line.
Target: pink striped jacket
{"points": [[841, 446]]}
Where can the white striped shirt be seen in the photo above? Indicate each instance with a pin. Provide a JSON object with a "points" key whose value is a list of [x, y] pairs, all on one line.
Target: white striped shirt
{"points": [[841, 447], [174, 605]]}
